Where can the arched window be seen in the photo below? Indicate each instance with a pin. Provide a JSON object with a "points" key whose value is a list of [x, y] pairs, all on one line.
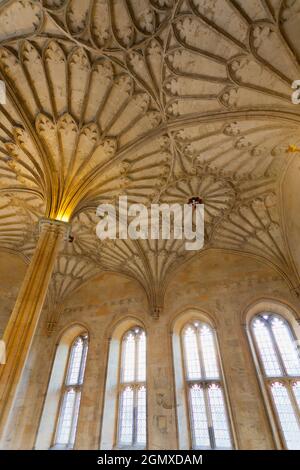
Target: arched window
{"points": [[132, 393], [276, 349], [71, 394], [208, 415]]}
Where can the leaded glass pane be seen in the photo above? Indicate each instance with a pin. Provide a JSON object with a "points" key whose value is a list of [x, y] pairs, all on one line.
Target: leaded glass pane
{"points": [[75, 362], [192, 354], [209, 353], [141, 346], [75, 418], [132, 408], [286, 345], [129, 358], [287, 417], [209, 423], [69, 410], [83, 360], [296, 390], [266, 348], [126, 416], [199, 417], [219, 417], [141, 416], [66, 417]]}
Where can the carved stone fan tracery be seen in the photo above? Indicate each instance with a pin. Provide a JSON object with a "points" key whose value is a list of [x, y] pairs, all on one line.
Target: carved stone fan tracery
{"points": [[159, 100]]}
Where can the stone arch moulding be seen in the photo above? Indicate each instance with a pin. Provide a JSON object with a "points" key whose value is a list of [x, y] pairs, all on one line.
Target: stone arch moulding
{"points": [[273, 305], [261, 260], [290, 314], [50, 408]]}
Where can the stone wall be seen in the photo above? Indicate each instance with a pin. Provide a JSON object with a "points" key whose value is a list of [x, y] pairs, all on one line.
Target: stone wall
{"points": [[218, 284]]}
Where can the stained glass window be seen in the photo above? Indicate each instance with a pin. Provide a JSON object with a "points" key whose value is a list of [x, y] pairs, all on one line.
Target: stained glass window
{"points": [[132, 401], [69, 408], [280, 361], [208, 412]]}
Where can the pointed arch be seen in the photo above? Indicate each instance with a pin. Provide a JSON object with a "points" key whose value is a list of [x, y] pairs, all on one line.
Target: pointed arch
{"points": [[274, 333], [58, 424]]}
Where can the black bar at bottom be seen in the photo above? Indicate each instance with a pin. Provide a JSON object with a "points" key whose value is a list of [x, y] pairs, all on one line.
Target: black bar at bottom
{"points": [[134, 459]]}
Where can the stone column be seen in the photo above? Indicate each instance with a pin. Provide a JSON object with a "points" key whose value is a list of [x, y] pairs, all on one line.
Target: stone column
{"points": [[26, 313]]}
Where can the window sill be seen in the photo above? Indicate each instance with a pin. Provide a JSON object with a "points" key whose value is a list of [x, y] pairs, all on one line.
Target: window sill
{"points": [[124, 447], [61, 447]]}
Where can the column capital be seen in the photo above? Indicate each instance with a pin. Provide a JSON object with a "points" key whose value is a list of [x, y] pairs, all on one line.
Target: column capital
{"points": [[156, 311], [55, 226]]}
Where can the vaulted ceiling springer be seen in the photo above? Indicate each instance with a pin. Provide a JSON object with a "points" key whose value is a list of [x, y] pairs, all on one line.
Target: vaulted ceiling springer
{"points": [[158, 100]]}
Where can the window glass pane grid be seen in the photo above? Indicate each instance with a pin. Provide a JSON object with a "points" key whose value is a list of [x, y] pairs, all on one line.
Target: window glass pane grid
{"points": [[209, 422], [141, 416], [66, 416], [132, 408], [69, 409], [83, 361], [296, 390], [219, 417], [126, 417], [192, 354], [75, 418], [128, 373], [208, 350], [287, 346], [287, 416], [266, 348], [277, 350], [141, 346], [199, 418], [75, 362]]}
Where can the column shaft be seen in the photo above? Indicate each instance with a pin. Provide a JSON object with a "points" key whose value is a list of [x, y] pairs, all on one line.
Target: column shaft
{"points": [[23, 321]]}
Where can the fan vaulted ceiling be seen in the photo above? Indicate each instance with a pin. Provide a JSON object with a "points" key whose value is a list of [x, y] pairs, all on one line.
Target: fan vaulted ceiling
{"points": [[159, 100]]}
